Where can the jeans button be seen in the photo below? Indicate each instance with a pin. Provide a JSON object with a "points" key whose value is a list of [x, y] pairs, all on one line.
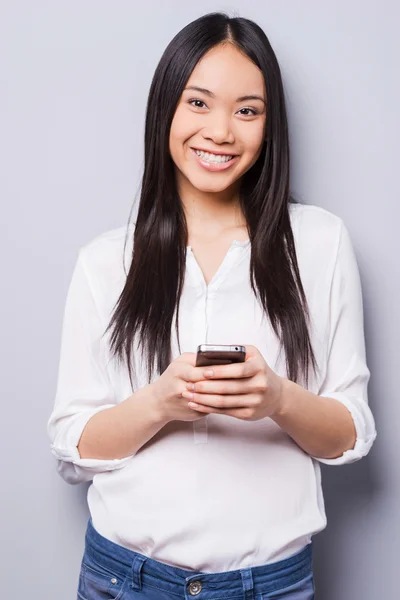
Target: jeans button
{"points": [[195, 588]]}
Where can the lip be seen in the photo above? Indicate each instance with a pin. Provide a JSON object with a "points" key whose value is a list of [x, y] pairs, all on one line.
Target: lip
{"points": [[214, 152], [214, 166]]}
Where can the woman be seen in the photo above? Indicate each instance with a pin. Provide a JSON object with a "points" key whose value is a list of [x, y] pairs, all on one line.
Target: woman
{"points": [[205, 483]]}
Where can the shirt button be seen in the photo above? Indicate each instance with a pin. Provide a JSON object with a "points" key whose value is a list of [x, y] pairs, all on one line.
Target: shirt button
{"points": [[195, 588]]}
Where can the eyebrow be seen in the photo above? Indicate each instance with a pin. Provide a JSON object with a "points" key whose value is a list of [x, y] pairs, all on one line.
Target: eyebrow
{"points": [[212, 95]]}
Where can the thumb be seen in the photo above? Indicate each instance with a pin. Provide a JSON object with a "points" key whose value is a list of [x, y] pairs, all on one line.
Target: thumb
{"points": [[188, 357]]}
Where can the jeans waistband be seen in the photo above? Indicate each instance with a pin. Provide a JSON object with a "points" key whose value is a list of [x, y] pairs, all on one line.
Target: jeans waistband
{"points": [[246, 582]]}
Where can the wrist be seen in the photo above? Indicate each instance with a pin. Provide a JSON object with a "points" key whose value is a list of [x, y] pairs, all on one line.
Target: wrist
{"points": [[286, 394], [157, 404]]}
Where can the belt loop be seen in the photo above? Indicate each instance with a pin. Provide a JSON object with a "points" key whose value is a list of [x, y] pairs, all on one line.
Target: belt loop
{"points": [[248, 584], [136, 572]]}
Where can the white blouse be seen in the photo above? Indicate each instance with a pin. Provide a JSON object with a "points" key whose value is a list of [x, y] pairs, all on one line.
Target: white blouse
{"points": [[218, 493]]}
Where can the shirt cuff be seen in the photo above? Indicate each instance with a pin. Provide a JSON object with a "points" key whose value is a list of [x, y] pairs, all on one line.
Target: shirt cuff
{"points": [[365, 435], [68, 450]]}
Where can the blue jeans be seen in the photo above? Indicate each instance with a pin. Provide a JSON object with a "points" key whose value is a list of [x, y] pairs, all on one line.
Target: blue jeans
{"points": [[112, 572]]}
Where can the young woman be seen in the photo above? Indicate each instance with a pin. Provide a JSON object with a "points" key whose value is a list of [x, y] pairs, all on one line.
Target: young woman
{"points": [[206, 481]]}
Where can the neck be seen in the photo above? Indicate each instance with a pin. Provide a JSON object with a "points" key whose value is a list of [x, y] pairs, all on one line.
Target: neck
{"points": [[212, 212]]}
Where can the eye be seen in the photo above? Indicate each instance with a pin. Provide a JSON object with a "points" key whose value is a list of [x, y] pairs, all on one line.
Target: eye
{"points": [[252, 110], [196, 100], [200, 104]]}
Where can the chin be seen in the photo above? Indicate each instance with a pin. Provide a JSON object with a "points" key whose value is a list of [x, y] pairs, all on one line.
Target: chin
{"points": [[203, 187], [211, 183]]}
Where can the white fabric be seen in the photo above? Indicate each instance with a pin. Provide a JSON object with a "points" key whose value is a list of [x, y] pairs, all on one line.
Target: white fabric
{"points": [[219, 493]]}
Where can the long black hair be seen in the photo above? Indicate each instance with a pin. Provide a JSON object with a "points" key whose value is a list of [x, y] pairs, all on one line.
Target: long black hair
{"points": [[151, 294]]}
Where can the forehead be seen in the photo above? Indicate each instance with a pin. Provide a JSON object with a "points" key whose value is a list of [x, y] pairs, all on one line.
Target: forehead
{"points": [[226, 71]]}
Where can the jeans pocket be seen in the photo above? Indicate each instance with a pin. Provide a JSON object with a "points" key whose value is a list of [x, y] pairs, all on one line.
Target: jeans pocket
{"points": [[301, 590], [99, 583]]}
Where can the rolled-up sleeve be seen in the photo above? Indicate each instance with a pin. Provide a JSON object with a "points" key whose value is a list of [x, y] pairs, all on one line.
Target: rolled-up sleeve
{"points": [[347, 374], [83, 384]]}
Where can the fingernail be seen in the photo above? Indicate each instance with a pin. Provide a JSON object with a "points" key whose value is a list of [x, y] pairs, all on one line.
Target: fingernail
{"points": [[190, 386], [209, 373]]}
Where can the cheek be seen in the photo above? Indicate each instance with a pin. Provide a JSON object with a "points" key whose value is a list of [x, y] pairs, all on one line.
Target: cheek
{"points": [[173, 135], [253, 144], [181, 131], [181, 127], [255, 141]]}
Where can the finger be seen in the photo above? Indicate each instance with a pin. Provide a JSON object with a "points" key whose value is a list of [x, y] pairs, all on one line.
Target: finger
{"points": [[238, 413], [194, 374], [188, 358], [233, 371], [251, 351], [205, 409], [218, 400], [188, 370], [223, 386]]}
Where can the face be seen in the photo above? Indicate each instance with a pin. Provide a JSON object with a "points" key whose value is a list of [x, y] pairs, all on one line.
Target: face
{"points": [[217, 132]]}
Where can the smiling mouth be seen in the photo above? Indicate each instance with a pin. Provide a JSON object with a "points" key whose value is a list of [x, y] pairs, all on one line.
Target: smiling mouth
{"points": [[216, 152], [214, 157], [214, 162]]}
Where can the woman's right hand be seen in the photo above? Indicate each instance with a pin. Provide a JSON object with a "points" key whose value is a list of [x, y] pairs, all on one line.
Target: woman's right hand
{"points": [[169, 386]]}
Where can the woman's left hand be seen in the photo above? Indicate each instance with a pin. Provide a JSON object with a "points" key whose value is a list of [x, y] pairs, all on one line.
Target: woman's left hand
{"points": [[250, 390]]}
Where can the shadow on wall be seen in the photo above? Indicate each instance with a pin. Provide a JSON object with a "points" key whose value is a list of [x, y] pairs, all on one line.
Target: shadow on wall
{"points": [[351, 492], [353, 499], [81, 505]]}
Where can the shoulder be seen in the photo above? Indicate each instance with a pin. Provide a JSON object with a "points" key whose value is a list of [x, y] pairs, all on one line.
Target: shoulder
{"points": [[105, 258], [315, 219], [315, 228], [107, 247], [318, 235]]}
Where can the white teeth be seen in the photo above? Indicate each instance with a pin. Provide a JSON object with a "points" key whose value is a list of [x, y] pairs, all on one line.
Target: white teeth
{"points": [[215, 158]]}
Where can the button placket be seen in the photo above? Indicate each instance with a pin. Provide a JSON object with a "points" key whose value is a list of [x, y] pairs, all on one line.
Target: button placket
{"points": [[200, 426]]}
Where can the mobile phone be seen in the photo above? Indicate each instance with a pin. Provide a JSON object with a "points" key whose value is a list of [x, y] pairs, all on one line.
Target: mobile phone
{"points": [[210, 354]]}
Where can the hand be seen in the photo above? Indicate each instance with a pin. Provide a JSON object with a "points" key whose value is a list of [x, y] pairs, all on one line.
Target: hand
{"points": [[166, 391], [249, 391]]}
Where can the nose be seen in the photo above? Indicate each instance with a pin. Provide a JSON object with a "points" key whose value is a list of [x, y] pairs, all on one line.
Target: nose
{"points": [[219, 130]]}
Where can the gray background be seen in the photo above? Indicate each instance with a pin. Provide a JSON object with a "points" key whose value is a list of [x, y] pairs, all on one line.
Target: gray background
{"points": [[74, 79]]}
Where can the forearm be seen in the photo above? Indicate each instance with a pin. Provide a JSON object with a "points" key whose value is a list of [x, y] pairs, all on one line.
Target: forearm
{"points": [[322, 427], [120, 431]]}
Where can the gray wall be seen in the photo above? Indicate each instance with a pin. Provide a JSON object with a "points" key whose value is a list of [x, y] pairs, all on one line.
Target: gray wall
{"points": [[74, 80]]}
